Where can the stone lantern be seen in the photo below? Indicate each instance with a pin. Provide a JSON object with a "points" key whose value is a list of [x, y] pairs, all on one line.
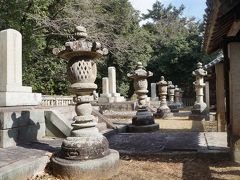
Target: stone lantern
{"points": [[170, 90], [144, 120], [85, 154], [180, 97], [199, 110], [163, 111], [177, 99]]}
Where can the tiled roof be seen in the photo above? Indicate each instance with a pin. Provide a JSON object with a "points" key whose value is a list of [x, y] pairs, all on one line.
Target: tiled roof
{"points": [[217, 60]]}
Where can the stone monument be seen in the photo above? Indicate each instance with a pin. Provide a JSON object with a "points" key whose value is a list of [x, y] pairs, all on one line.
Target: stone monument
{"points": [[144, 120], [163, 111], [109, 92], [85, 154], [12, 93], [199, 110], [153, 92]]}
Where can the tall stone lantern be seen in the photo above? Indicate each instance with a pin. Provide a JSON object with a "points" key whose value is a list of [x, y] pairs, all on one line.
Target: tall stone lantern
{"points": [[85, 154], [177, 99], [170, 91], [163, 111], [199, 110], [180, 97], [144, 120]]}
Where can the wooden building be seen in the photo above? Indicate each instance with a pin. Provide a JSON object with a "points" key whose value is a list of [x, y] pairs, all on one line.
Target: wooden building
{"points": [[222, 31]]}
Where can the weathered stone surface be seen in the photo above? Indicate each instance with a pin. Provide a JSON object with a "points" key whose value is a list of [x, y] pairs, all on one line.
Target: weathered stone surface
{"points": [[23, 134], [12, 93], [21, 126], [84, 148], [13, 119], [160, 143], [26, 160], [101, 168], [57, 125]]}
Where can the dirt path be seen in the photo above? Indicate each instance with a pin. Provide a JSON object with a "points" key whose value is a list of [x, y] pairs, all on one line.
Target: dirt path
{"points": [[156, 169]]}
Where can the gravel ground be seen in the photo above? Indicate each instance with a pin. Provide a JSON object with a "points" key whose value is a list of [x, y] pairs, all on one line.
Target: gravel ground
{"points": [[157, 169]]}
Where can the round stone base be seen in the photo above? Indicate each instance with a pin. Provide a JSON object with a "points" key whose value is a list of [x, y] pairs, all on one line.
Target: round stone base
{"points": [[101, 168], [142, 129]]}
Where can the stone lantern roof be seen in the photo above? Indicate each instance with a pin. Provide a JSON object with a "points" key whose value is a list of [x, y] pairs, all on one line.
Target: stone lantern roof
{"points": [[81, 46], [199, 71], [162, 81], [140, 72]]}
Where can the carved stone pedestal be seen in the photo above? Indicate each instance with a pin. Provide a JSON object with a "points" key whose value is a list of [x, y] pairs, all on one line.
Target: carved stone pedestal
{"points": [[144, 120]]}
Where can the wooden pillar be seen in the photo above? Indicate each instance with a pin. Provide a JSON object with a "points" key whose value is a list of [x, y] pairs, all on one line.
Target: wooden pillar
{"points": [[207, 94], [220, 97], [234, 85]]}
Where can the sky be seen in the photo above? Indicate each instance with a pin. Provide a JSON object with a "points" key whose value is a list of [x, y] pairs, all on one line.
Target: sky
{"points": [[192, 7]]}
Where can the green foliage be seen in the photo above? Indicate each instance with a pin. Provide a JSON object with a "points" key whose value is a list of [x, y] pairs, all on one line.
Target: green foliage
{"points": [[169, 45], [176, 44]]}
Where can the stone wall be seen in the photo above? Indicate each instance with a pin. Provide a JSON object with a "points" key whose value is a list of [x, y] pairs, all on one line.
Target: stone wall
{"points": [[21, 125]]}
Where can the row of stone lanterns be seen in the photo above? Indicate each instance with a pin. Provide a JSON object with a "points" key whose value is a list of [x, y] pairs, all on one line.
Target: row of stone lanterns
{"points": [[86, 152]]}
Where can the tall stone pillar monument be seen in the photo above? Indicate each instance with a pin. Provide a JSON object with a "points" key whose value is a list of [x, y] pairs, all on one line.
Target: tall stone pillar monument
{"points": [[110, 94], [144, 120], [163, 111], [112, 81], [85, 154], [200, 109], [12, 93], [154, 92]]}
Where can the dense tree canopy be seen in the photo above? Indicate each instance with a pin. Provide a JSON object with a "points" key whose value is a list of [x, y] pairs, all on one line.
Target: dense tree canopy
{"points": [[169, 44]]}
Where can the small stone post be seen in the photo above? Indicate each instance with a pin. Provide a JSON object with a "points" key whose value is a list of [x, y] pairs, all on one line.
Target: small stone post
{"points": [[144, 120], [153, 92], [104, 97], [163, 111], [199, 110], [112, 80], [86, 152], [105, 86]]}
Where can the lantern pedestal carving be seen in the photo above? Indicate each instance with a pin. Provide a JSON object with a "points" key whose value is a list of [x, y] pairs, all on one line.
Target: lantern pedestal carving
{"points": [[85, 154], [143, 121]]}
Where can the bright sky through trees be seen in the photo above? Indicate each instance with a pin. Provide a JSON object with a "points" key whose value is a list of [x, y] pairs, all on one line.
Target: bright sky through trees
{"points": [[193, 7]]}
